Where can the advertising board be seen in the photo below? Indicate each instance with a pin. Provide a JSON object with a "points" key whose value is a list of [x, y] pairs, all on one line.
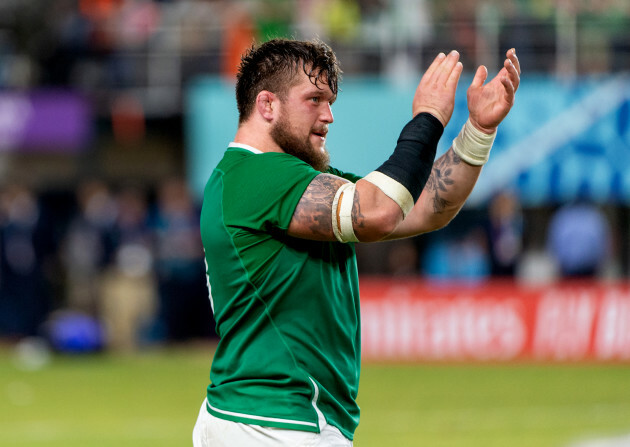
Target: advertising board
{"points": [[494, 321]]}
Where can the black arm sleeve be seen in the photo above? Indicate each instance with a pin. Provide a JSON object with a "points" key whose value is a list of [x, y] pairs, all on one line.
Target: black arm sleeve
{"points": [[412, 160]]}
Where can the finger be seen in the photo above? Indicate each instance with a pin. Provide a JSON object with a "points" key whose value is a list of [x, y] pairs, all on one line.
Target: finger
{"points": [[480, 77], [512, 72], [509, 89], [511, 55], [453, 79], [446, 68], [428, 74]]}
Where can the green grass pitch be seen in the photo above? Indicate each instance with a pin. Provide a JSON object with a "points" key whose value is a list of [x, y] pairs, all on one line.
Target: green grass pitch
{"points": [[152, 399]]}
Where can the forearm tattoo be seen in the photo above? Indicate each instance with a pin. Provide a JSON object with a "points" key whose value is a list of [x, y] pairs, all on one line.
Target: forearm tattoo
{"points": [[440, 180], [314, 210]]}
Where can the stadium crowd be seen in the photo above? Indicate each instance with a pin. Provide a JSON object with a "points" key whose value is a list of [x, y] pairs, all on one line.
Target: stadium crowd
{"points": [[131, 263], [91, 44]]}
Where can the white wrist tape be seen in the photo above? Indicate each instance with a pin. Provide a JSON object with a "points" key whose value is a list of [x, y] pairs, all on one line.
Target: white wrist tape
{"points": [[342, 213], [472, 145], [392, 189]]}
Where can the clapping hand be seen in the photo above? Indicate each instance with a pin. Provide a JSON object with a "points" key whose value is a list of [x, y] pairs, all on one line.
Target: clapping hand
{"points": [[436, 92], [489, 104]]}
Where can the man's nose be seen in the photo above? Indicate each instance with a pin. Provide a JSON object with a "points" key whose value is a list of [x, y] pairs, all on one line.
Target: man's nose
{"points": [[327, 115]]}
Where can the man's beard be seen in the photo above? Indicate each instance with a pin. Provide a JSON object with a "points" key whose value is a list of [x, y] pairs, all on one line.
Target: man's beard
{"points": [[298, 147]]}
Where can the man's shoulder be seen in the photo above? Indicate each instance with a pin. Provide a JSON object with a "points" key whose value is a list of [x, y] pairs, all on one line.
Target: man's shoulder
{"points": [[241, 171], [243, 162]]}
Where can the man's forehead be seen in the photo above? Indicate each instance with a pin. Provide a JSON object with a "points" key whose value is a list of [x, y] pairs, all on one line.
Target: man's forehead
{"points": [[315, 83]]}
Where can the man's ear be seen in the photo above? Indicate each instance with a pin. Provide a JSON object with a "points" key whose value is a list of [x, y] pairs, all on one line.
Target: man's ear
{"points": [[266, 104]]}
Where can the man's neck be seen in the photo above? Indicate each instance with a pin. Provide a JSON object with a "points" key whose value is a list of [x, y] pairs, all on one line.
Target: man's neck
{"points": [[257, 137]]}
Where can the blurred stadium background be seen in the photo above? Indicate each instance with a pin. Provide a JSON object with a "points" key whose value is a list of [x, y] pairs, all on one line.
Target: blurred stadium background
{"points": [[510, 326]]}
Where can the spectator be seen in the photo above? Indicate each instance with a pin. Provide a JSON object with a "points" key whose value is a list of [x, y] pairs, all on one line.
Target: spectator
{"points": [[505, 233], [579, 239], [183, 296], [129, 285], [238, 36], [24, 297], [87, 246]]}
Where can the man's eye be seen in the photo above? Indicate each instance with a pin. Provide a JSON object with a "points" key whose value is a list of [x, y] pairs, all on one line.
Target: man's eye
{"points": [[315, 99]]}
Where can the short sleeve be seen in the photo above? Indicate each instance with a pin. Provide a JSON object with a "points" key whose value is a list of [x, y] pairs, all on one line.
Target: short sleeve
{"points": [[347, 175]]}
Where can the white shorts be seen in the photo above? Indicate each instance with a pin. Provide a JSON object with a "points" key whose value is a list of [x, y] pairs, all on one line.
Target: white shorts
{"points": [[211, 431]]}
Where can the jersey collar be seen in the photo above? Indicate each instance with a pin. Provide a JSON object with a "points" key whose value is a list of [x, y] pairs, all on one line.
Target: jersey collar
{"points": [[246, 147]]}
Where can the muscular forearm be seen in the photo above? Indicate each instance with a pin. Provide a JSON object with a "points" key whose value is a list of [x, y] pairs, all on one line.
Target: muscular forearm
{"points": [[449, 185]]}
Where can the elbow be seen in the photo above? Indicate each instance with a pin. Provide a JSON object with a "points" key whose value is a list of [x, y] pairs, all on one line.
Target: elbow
{"points": [[378, 225]]}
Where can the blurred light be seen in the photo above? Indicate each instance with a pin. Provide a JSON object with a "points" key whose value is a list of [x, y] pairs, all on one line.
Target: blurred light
{"points": [[99, 9], [128, 120], [31, 354]]}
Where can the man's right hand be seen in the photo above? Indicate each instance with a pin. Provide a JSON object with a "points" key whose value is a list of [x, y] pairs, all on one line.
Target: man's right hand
{"points": [[436, 92]]}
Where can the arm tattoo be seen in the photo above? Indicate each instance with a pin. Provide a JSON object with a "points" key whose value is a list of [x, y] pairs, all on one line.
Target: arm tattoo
{"points": [[440, 179], [314, 210], [358, 219]]}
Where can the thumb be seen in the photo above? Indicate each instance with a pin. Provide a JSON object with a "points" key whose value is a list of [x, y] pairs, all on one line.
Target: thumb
{"points": [[480, 77]]}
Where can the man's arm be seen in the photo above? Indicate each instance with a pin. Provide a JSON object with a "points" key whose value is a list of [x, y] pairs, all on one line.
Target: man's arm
{"points": [[370, 212], [375, 216], [449, 186], [452, 179]]}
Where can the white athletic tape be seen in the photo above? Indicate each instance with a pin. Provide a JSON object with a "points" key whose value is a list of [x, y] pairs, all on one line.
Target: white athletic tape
{"points": [[472, 145], [335, 214], [342, 213], [392, 189]]}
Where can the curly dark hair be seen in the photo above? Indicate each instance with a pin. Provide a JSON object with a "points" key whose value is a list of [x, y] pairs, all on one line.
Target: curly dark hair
{"points": [[274, 66]]}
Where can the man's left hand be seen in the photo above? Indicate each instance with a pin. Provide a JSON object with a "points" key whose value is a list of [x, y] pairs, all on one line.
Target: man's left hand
{"points": [[489, 104]]}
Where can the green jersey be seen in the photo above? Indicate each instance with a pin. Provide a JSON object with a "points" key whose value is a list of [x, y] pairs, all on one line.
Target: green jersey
{"points": [[286, 309]]}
